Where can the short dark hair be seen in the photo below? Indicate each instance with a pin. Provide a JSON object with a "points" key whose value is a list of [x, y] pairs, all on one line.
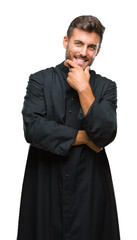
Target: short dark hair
{"points": [[87, 23]]}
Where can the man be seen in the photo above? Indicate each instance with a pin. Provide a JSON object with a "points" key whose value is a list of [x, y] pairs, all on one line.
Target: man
{"points": [[69, 117]]}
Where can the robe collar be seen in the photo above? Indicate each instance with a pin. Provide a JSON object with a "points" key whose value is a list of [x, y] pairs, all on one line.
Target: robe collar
{"points": [[63, 67]]}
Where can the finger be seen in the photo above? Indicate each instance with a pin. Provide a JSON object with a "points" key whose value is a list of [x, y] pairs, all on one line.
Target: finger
{"points": [[87, 69], [71, 63], [67, 65], [99, 150]]}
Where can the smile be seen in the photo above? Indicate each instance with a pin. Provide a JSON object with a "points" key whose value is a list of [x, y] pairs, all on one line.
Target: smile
{"points": [[80, 60]]}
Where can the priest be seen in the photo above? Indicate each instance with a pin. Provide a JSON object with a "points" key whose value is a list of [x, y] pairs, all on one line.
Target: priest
{"points": [[69, 116]]}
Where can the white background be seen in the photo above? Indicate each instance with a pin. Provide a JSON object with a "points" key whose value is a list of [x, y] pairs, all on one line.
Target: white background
{"points": [[31, 39]]}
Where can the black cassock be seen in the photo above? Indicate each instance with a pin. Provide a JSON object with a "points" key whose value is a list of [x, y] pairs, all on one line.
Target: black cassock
{"points": [[67, 191]]}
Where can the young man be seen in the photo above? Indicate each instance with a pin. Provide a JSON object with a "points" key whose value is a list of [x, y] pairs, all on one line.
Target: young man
{"points": [[69, 117]]}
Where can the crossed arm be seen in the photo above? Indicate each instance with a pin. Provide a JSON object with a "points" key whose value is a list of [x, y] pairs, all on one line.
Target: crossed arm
{"points": [[82, 138], [99, 121]]}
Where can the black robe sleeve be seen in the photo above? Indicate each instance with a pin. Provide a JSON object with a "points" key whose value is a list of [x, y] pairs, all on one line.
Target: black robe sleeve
{"points": [[38, 130], [100, 122]]}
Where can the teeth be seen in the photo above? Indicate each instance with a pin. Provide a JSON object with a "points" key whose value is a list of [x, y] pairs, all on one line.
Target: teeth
{"points": [[80, 60]]}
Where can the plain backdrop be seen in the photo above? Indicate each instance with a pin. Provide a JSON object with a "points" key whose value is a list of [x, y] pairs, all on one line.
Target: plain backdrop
{"points": [[31, 39]]}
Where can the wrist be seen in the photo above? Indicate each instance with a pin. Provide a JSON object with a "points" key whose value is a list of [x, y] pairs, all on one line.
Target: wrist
{"points": [[84, 88], [81, 138]]}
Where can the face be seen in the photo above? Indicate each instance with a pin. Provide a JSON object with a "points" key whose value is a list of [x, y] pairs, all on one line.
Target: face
{"points": [[82, 47]]}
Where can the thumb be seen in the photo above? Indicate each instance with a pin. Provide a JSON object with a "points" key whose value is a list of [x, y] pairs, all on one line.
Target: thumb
{"points": [[87, 69]]}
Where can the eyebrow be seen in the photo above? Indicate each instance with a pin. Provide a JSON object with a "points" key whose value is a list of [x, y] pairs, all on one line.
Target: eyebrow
{"points": [[90, 45], [93, 45]]}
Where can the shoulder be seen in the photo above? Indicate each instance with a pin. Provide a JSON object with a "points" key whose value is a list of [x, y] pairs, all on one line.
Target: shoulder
{"points": [[103, 83], [103, 87], [49, 76], [103, 80], [42, 74]]}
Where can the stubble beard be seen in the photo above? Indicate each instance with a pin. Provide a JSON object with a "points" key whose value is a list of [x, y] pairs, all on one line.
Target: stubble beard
{"points": [[68, 56]]}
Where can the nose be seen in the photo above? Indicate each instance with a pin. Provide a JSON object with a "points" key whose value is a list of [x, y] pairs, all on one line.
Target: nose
{"points": [[83, 51]]}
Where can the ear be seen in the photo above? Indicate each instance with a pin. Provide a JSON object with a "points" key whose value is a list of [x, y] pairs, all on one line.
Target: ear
{"points": [[65, 41]]}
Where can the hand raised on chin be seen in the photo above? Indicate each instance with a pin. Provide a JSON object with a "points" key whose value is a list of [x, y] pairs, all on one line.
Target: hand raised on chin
{"points": [[77, 78]]}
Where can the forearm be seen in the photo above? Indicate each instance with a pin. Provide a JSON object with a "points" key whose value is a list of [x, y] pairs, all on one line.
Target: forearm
{"points": [[82, 138], [100, 122], [86, 98]]}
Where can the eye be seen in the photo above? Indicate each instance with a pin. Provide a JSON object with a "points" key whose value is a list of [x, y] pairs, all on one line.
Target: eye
{"points": [[92, 48], [78, 43]]}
